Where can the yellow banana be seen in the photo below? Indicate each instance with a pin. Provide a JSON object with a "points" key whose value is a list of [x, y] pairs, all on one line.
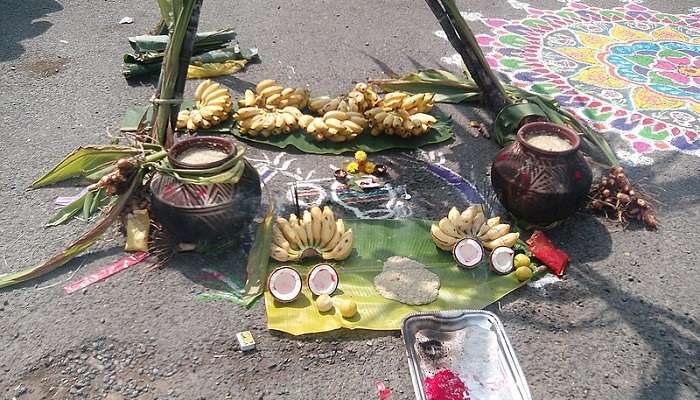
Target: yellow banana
{"points": [[262, 85], [507, 240], [201, 88], [317, 224]]}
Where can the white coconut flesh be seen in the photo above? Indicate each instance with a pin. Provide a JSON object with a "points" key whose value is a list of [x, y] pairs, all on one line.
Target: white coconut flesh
{"points": [[323, 280], [285, 284], [502, 260], [468, 252]]}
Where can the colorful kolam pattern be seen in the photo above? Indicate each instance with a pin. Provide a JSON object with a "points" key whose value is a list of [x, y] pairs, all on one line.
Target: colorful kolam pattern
{"points": [[629, 69]]}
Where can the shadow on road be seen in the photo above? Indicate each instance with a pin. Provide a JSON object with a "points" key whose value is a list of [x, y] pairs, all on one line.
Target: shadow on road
{"points": [[18, 23], [672, 337]]}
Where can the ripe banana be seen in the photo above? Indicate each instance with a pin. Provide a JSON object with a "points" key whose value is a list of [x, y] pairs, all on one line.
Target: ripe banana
{"points": [[256, 121], [471, 223], [268, 94], [213, 105], [360, 99], [317, 233], [342, 250], [335, 126]]}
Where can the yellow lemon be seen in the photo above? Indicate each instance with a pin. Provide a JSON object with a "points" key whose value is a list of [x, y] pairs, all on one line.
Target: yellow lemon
{"points": [[523, 273], [521, 260]]}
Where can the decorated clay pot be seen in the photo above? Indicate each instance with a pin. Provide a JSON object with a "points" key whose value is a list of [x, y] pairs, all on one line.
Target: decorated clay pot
{"points": [[537, 185], [204, 213]]}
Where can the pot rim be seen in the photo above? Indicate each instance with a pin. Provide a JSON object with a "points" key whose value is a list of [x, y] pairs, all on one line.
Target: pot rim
{"points": [[204, 141], [548, 127]]}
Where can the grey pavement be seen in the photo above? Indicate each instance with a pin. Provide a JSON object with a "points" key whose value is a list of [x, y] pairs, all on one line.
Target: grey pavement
{"points": [[623, 325]]}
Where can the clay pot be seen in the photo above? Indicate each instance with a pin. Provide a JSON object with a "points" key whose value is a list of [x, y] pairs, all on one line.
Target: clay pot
{"points": [[205, 213], [537, 185]]}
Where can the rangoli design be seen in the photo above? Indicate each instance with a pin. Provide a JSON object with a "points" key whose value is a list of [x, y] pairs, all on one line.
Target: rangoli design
{"points": [[629, 69]]}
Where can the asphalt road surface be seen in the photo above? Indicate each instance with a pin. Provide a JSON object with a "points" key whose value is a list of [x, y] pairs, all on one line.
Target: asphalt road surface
{"points": [[623, 325]]}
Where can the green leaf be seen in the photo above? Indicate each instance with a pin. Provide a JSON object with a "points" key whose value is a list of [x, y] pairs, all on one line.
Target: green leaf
{"points": [[77, 247], [82, 160], [440, 132], [67, 213], [203, 40], [150, 63], [445, 91], [135, 116], [259, 257]]}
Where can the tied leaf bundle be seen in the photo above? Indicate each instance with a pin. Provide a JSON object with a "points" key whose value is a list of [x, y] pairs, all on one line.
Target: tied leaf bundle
{"points": [[211, 50]]}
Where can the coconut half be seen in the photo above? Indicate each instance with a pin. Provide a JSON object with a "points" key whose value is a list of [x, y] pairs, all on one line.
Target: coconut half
{"points": [[468, 253], [323, 279], [501, 260], [284, 284]]}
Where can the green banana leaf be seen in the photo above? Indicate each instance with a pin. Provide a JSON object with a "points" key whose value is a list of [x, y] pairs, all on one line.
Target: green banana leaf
{"points": [[157, 43], [374, 241], [133, 68], [83, 160], [448, 88], [259, 255], [440, 132]]}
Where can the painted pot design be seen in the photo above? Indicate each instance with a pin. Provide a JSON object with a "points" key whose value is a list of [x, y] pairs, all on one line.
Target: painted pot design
{"points": [[537, 185], [205, 213]]}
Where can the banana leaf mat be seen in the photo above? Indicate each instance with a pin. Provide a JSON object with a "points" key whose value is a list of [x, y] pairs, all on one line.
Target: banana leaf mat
{"points": [[374, 242], [135, 116], [439, 133]]}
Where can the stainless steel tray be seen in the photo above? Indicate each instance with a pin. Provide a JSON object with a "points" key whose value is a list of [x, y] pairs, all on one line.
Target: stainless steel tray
{"points": [[471, 343]]}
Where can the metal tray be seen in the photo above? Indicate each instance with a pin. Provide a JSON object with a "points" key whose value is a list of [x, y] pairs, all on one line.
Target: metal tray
{"points": [[471, 343]]}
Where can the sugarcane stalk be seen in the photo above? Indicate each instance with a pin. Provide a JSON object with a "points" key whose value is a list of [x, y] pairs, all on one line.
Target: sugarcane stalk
{"points": [[183, 64], [464, 42], [175, 63]]}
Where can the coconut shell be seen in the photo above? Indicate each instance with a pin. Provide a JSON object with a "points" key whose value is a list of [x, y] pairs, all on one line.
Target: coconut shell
{"points": [[269, 283], [324, 265], [491, 266], [459, 262]]}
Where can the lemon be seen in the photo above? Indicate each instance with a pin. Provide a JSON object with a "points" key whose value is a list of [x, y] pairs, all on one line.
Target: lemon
{"points": [[523, 273], [324, 303], [348, 308], [521, 260]]}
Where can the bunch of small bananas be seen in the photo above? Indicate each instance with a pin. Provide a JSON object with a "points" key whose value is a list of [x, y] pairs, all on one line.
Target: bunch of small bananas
{"points": [[335, 126], [402, 114], [268, 94], [317, 233], [472, 223], [213, 106], [360, 99], [256, 121]]}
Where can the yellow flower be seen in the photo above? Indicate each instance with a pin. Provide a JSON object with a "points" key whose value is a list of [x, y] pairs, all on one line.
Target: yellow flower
{"points": [[369, 167], [352, 167], [360, 156]]}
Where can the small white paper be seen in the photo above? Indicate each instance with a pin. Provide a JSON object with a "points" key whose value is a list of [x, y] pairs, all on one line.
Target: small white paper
{"points": [[126, 20]]}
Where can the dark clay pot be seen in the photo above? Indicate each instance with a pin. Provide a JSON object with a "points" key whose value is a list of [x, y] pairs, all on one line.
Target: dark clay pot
{"points": [[541, 186], [205, 213]]}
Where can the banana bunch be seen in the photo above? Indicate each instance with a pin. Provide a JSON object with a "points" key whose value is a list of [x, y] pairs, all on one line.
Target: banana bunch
{"points": [[256, 121], [317, 233], [335, 126], [402, 114], [360, 99], [399, 122], [413, 104], [268, 94], [472, 223], [213, 106]]}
